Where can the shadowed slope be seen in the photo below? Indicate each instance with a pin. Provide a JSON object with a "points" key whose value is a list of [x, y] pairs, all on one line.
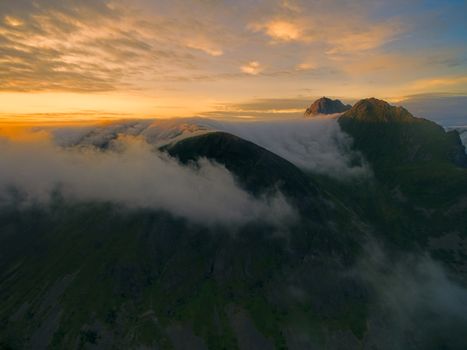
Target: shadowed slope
{"points": [[258, 170]]}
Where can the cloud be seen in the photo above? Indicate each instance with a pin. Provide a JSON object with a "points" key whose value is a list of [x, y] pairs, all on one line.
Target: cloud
{"points": [[252, 68], [463, 136], [279, 30], [314, 144], [205, 47], [67, 46], [361, 38], [447, 83], [95, 46], [415, 302], [157, 46], [335, 30], [131, 174], [143, 57]]}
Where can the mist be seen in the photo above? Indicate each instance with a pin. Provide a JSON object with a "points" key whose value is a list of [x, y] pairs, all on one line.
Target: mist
{"points": [[463, 135], [120, 162], [132, 173], [317, 144], [416, 301]]}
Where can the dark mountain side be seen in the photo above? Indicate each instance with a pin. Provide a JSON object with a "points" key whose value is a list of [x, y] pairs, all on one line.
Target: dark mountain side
{"points": [[420, 170], [95, 275], [87, 275], [414, 154], [81, 275], [391, 136], [258, 170]]}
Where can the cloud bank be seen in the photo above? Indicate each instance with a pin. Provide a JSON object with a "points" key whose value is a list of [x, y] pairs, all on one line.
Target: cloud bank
{"points": [[314, 144], [132, 174], [120, 163]]}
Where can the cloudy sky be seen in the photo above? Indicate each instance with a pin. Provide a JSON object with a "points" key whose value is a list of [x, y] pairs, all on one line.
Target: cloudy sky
{"points": [[80, 59]]}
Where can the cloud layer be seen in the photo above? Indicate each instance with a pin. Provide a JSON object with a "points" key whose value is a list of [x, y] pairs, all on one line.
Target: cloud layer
{"points": [[314, 144], [131, 174], [159, 46]]}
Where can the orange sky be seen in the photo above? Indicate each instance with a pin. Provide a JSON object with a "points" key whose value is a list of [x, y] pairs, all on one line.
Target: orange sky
{"points": [[82, 60]]}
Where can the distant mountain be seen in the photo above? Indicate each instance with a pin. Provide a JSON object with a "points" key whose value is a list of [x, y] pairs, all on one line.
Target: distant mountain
{"points": [[325, 105]]}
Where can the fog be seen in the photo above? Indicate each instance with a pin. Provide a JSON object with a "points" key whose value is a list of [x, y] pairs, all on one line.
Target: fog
{"points": [[314, 144], [131, 173], [120, 162], [416, 301]]}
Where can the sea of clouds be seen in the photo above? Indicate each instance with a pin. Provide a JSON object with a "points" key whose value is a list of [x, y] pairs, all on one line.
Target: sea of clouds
{"points": [[121, 162], [133, 174], [313, 144]]}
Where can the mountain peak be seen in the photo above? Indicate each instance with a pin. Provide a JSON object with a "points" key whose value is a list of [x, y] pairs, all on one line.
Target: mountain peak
{"points": [[375, 110], [326, 105]]}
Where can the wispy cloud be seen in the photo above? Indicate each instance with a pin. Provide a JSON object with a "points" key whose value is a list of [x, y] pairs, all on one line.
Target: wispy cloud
{"points": [[252, 68], [280, 30], [93, 46], [69, 46], [208, 50]]}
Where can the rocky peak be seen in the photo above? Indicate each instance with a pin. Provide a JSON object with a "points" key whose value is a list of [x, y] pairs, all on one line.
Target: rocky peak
{"points": [[325, 105]]}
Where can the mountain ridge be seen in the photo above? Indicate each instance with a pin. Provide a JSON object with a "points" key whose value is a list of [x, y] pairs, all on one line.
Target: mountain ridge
{"points": [[86, 275], [376, 110]]}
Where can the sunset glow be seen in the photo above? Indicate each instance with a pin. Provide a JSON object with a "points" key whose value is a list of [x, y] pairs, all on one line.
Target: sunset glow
{"points": [[75, 60]]}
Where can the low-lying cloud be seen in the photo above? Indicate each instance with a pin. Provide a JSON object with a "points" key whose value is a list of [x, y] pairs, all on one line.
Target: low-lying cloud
{"points": [[314, 144], [131, 173], [416, 302], [121, 163]]}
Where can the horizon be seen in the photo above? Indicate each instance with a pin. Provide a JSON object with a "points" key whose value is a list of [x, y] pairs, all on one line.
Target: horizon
{"points": [[446, 112]]}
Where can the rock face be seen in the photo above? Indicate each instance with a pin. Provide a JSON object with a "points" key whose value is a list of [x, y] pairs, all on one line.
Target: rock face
{"points": [[325, 105]]}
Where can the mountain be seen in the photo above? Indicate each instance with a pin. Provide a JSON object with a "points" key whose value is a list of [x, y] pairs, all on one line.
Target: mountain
{"points": [[376, 262], [374, 110], [420, 170], [83, 275], [325, 105], [258, 170], [392, 136]]}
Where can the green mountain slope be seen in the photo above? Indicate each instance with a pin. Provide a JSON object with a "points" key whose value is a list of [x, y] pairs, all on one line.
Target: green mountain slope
{"points": [[85, 275], [413, 153]]}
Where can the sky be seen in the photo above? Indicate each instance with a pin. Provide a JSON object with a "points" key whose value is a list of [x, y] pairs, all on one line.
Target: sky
{"points": [[78, 60]]}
